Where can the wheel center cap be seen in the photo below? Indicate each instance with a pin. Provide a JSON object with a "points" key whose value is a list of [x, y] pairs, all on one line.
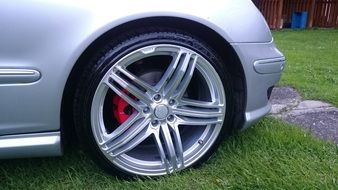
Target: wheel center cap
{"points": [[161, 111]]}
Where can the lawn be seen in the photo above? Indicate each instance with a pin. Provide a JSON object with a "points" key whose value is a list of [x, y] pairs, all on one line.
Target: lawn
{"points": [[312, 62], [270, 155]]}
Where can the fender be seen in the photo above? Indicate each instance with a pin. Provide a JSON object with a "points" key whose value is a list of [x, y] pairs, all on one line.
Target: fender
{"points": [[61, 30]]}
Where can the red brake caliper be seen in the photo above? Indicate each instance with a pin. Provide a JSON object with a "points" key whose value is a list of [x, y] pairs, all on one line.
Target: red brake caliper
{"points": [[122, 110]]}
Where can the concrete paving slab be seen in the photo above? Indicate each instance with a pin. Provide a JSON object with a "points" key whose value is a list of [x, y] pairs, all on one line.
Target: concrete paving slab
{"points": [[285, 95], [319, 118], [322, 124]]}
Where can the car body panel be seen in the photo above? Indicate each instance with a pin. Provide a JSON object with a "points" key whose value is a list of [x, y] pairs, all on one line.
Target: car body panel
{"points": [[257, 83], [30, 145], [48, 37]]}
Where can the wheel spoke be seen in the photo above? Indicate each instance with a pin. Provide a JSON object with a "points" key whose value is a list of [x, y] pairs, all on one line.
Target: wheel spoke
{"points": [[178, 145], [200, 104], [121, 129], [172, 155], [199, 109], [132, 89], [177, 78], [198, 112], [187, 78], [139, 138], [198, 121], [123, 141], [160, 148], [169, 72], [136, 80], [169, 145], [135, 104]]}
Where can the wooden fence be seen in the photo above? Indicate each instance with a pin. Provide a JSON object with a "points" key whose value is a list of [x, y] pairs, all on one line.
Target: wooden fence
{"points": [[321, 13], [272, 11], [326, 13]]}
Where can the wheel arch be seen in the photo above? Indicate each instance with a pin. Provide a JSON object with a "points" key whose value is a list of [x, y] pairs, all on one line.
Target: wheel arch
{"points": [[203, 32]]}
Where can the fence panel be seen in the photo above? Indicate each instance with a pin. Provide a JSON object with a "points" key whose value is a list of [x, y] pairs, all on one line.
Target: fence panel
{"points": [[272, 11], [326, 13], [321, 13]]}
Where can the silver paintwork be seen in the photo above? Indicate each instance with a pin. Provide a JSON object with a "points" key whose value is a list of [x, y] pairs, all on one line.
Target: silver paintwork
{"points": [[49, 37], [30, 145], [160, 109], [257, 84], [268, 70]]}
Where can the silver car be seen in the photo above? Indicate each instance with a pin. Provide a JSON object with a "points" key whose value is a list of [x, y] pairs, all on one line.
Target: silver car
{"points": [[149, 87]]}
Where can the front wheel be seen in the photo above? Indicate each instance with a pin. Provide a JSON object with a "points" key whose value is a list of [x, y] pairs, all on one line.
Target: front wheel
{"points": [[152, 102]]}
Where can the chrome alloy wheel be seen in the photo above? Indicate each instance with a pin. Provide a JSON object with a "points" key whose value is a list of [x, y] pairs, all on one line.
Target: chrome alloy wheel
{"points": [[177, 113]]}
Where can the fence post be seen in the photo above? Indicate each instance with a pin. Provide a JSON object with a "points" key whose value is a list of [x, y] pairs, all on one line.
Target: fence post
{"points": [[311, 13], [280, 13]]}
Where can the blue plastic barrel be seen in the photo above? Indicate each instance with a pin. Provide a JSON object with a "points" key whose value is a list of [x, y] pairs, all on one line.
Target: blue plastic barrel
{"points": [[299, 19]]}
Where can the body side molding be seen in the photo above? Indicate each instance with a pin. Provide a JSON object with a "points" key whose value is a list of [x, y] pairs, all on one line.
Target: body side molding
{"points": [[19, 76]]}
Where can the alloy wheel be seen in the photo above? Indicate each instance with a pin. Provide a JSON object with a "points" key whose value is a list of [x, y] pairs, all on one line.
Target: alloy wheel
{"points": [[177, 110]]}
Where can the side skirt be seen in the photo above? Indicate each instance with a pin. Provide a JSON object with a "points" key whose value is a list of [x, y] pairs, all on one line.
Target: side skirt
{"points": [[30, 145]]}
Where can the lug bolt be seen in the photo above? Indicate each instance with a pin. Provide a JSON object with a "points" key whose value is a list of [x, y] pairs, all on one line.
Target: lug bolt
{"points": [[146, 110], [154, 123], [170, 118], [157, 97], [172, 102]]}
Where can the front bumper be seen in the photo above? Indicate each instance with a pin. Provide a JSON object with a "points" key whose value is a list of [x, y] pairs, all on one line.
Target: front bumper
{"points": [[263, 64]]}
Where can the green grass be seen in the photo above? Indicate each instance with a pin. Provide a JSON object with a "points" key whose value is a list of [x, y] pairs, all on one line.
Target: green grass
{"points": [[271, 155], [312, 62]]}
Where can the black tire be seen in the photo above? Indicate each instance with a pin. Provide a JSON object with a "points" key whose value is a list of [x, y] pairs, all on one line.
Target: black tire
{"points": [[114, 50]]}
